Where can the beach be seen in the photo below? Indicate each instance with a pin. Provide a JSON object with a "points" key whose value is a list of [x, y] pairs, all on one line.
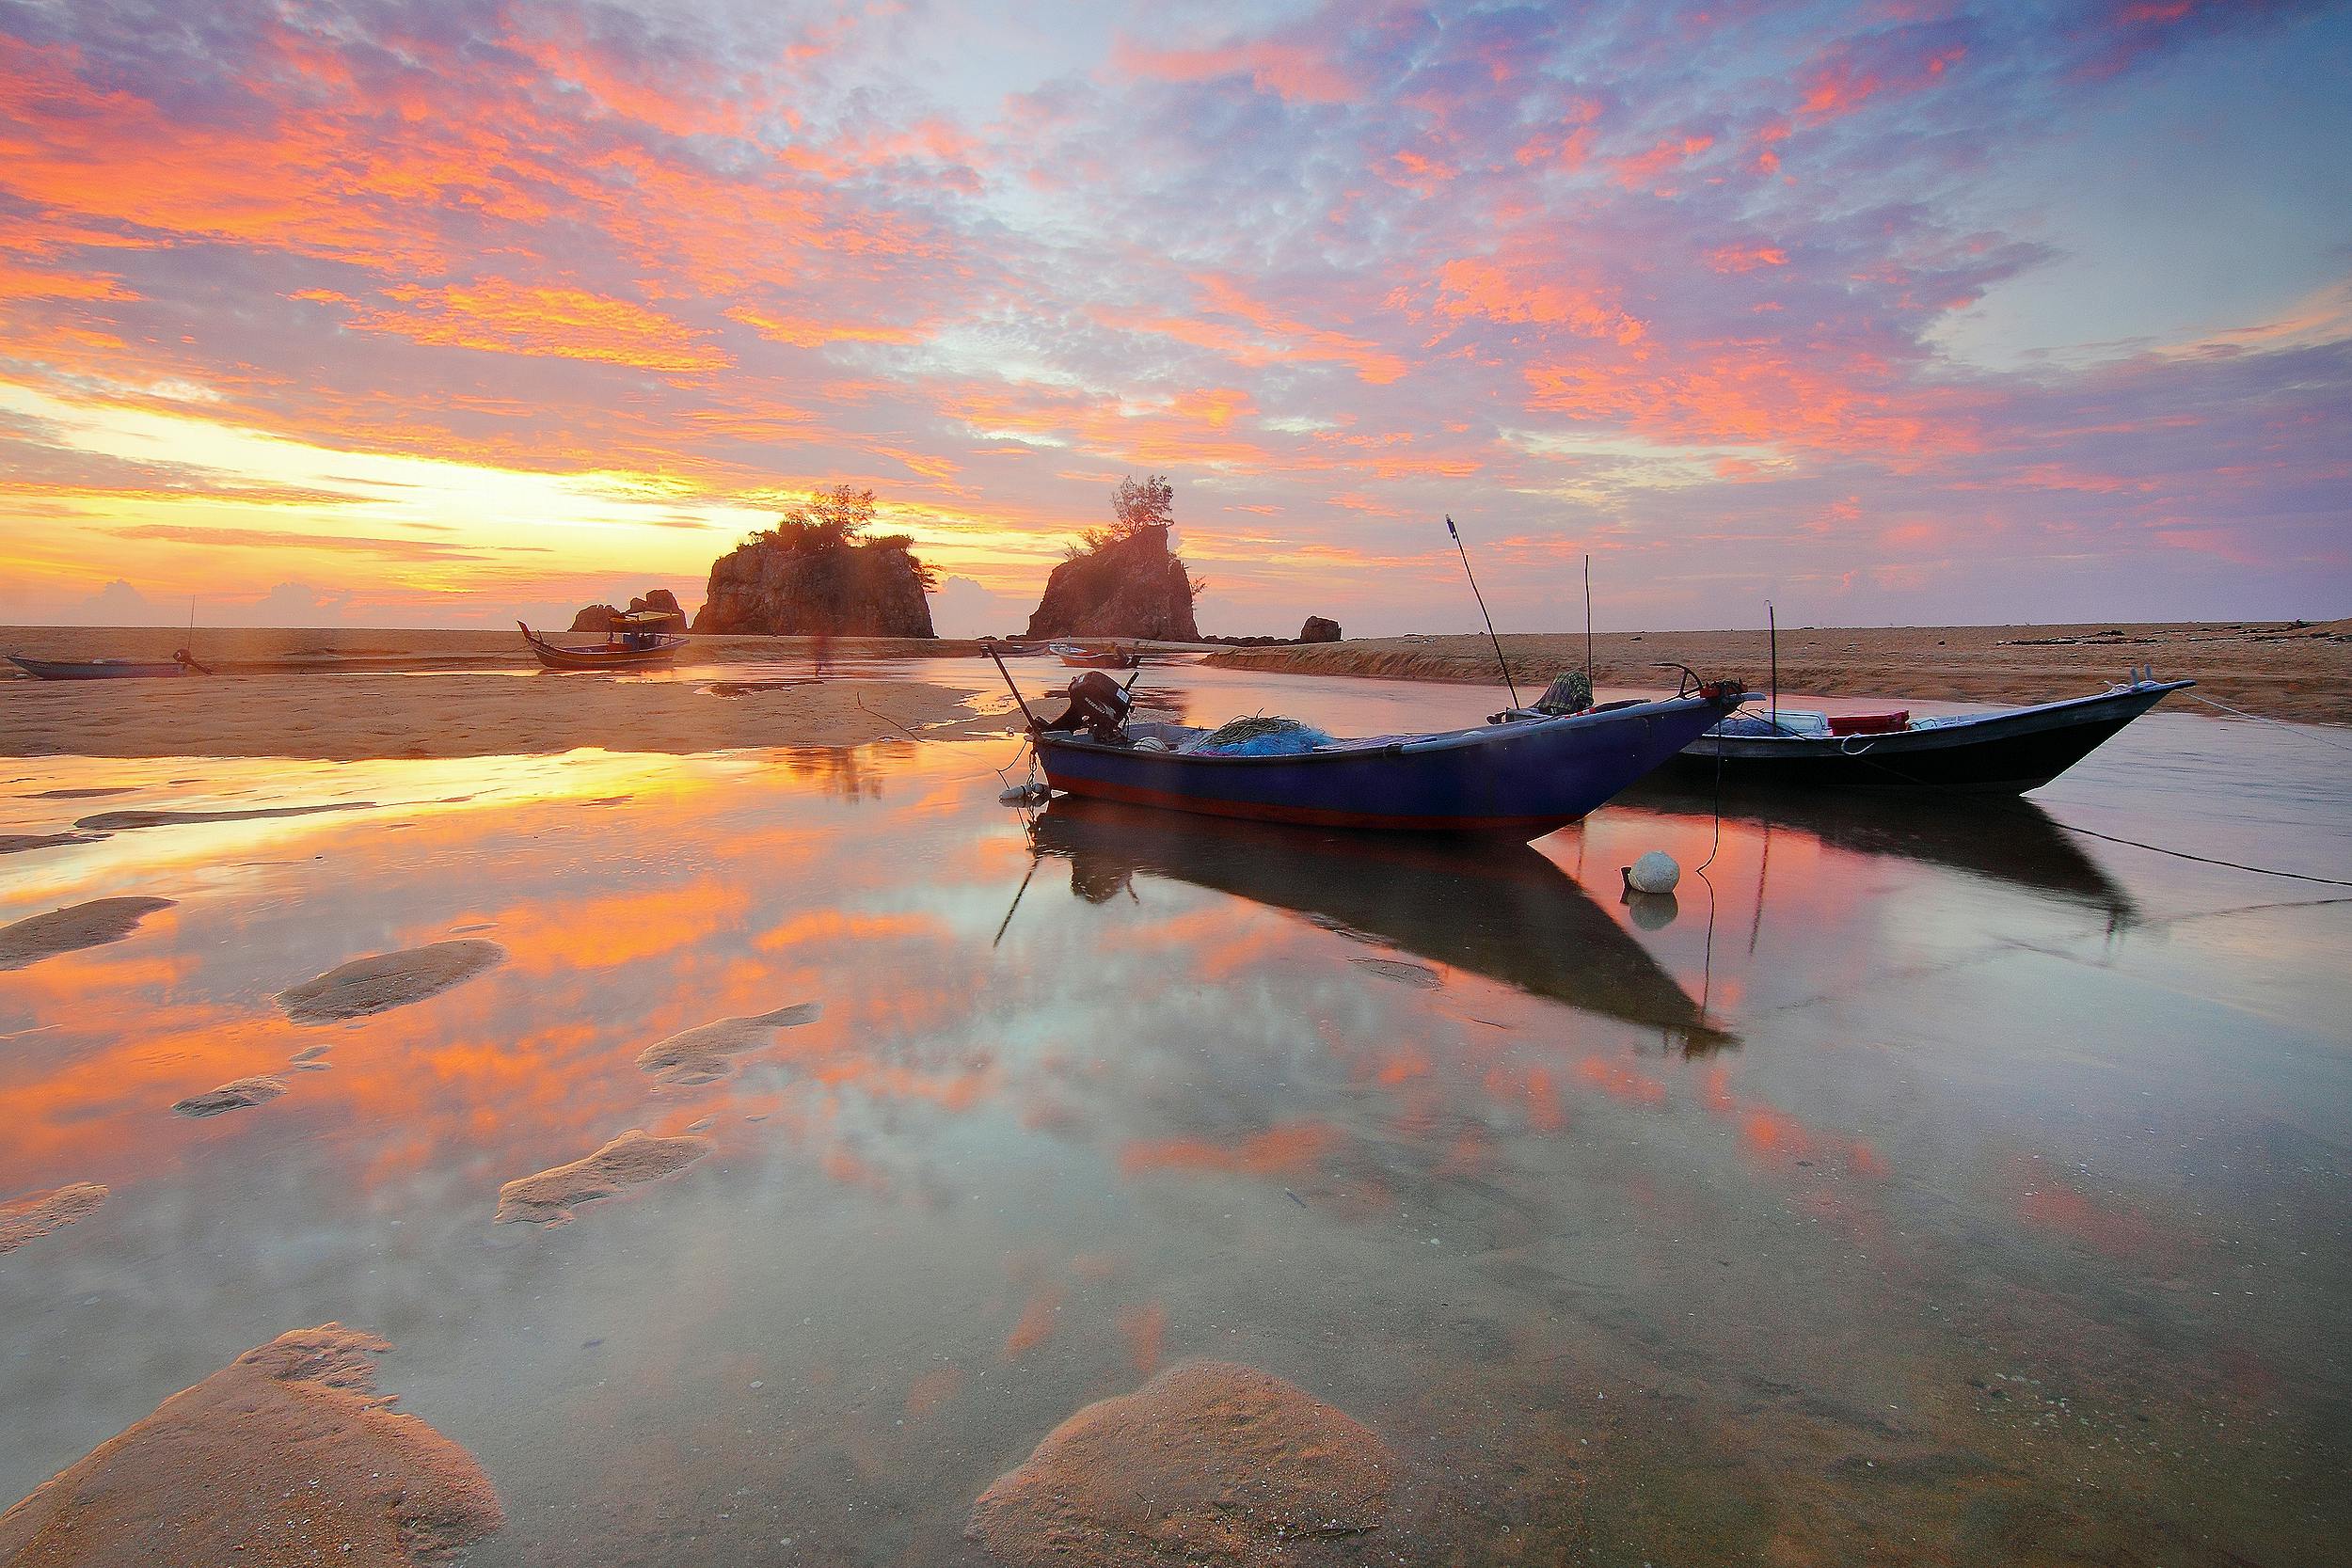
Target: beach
{"points": [[2279, 669], [745, 1139]]}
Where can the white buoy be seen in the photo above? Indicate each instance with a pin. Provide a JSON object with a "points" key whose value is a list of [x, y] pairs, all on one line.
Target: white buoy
{"points": [[1654, 872]]}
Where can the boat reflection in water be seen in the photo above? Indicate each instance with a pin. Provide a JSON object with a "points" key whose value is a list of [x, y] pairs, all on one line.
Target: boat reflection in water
{"points": [[2000, 838], [1502, 910]]}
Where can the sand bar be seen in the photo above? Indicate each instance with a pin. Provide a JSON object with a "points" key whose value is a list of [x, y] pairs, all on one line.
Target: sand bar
{"points": [[704, 1053], [27, 1217], [286, 1456], [232, 1096], [2280, 670], [72, 928], [634, 1158], [1208, 1461], [383, 981]]}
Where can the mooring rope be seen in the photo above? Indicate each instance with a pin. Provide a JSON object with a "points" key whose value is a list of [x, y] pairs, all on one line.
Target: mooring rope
{"points": [[2265, 719]]}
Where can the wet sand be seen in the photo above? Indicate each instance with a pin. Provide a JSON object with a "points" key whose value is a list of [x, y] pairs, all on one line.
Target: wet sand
{"points": [[37, 1215], [383, 981], [703, 1054], [286, 1456], [1209, 1461], [2280, 670], [630, 1160], [72, 928]]}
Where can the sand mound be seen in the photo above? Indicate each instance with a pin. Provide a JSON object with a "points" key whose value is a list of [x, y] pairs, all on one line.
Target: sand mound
{"points": [[230, 1097], [699, 1055], [634, 1157], [43, 1213], [72, 928], [1208, 1461], [1402, 972], [287, 1455], [117, 821], [91, 793], [387, 980]]}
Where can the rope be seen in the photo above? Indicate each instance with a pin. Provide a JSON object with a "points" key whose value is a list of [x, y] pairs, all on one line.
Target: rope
{"points": [[2265, 719], [2206, 860]]}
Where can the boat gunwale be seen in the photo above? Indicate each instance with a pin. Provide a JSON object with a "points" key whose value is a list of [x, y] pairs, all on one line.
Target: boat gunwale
{"points": [[1962, 728], [1435, 743]]}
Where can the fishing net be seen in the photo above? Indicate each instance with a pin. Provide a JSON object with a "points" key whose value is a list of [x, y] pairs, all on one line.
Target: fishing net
{"points": [[1261, 736]]}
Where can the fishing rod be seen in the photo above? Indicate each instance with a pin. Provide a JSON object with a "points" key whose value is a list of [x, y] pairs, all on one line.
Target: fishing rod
{"points": [[1501, 662]]}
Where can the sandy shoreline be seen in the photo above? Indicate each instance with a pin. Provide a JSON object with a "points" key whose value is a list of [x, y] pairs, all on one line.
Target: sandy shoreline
{"points": [[355, 718], [2274, 669], [354, 695]]}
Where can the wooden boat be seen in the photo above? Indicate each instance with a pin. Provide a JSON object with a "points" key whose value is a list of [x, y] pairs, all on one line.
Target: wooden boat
{"points": [[179, 663], [634, 639], [1521, 778], [1502, 911], [1091, 658], [2003, 753]]}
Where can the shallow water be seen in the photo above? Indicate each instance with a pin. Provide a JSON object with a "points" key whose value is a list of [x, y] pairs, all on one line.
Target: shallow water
{"points": [[1929, 1187]]}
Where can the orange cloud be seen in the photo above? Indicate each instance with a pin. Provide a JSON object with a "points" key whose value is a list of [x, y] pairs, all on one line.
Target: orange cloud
{"points": [[1289, 70], [567, 323]]}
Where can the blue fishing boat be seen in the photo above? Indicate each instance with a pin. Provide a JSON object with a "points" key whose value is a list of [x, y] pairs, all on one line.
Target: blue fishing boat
{"points": [[636, 638], [1519, 777]]}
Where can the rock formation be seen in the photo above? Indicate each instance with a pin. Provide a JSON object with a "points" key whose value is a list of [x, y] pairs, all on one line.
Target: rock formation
{"points": [[775, 585], [1132, 586], [599, 617], [1319, 629]]}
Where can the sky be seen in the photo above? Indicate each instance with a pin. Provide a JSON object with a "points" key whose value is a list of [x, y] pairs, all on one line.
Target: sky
{"points": [[436, 314]]}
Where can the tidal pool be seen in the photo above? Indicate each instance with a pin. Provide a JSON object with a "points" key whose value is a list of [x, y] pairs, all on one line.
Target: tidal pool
{"points": [[1920, 1184]]}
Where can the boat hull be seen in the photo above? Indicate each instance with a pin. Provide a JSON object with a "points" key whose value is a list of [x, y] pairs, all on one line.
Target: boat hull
{"points": [[556, 657], [1504, 910], [1518, 779], [98, 670], [1994, 753]]}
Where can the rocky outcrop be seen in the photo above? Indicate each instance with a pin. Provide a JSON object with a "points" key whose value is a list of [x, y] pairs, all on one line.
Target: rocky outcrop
{"points": [[771, 587], [1128, 587], [599, 617], [1319, 629]]}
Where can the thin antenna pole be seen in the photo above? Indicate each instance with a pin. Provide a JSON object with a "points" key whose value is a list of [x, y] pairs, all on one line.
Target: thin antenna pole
{"points": [[1501, 662], [1771, 619], [1589, 623]]}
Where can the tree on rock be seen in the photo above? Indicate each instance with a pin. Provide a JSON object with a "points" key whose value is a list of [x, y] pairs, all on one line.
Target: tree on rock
{"points": [[818, 573], [1122, 580]]}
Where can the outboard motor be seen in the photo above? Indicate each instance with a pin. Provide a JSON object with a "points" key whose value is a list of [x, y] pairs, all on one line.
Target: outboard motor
{"points": [[1098, 704]]}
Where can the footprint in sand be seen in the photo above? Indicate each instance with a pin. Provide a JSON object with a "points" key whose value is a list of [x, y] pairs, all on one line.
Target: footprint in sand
{"points": [[634, 1158], [700, 1055], [289, 1448], [43, 1213], [232, 1096], [387, 980], [72, 928]]}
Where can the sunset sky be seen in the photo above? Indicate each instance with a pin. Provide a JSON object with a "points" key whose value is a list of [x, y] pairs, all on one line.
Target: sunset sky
{"points": [[436, 314]]}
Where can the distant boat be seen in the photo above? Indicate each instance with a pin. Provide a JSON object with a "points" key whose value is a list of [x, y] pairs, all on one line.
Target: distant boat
{"points": [[1091, 658], [2003, 752], [634, 639], [180, 663], [1520, 779]]}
